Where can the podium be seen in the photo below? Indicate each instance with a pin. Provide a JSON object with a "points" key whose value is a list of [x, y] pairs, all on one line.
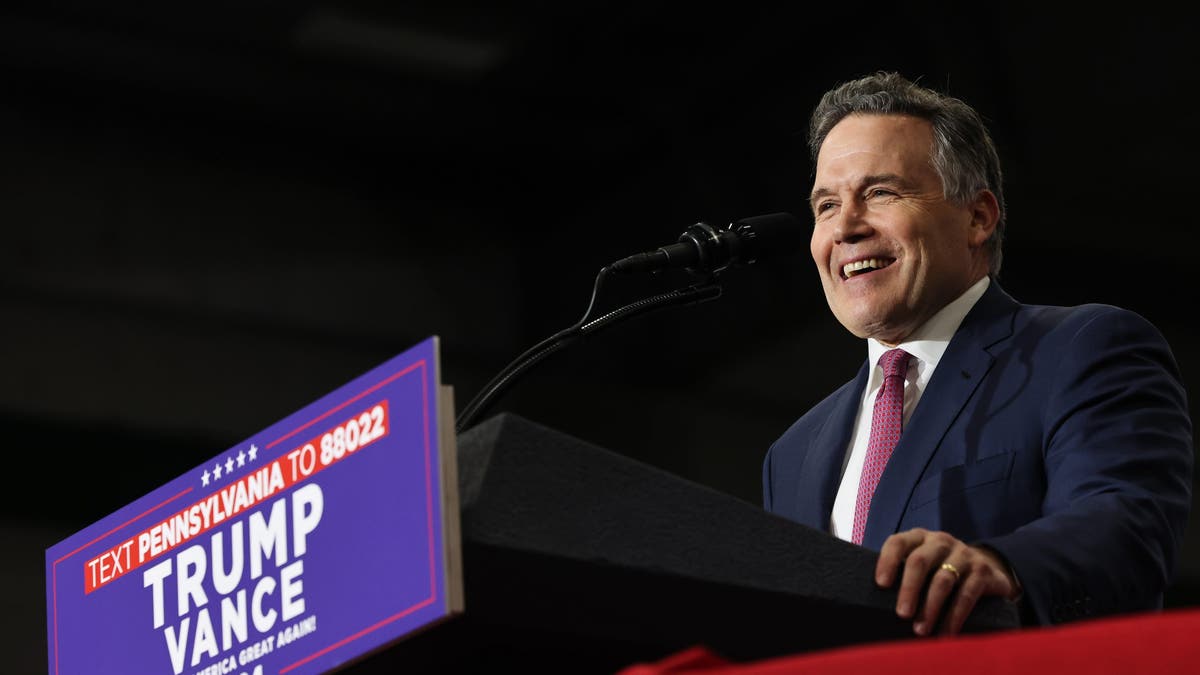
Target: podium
{"points": [[577, 559]]}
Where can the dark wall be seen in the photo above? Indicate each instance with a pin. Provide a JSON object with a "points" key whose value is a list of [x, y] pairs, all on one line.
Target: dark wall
{"points": [[213, 216]]}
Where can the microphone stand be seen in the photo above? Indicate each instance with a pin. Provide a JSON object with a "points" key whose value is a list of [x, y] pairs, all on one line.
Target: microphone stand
{"points": [[694, 294]]}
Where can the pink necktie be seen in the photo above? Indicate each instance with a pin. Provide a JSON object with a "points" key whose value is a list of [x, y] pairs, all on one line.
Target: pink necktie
{"points": [[886, 423]]}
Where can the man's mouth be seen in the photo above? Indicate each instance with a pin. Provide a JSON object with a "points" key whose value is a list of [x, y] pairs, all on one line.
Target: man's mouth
{"points": [[864, 266]]}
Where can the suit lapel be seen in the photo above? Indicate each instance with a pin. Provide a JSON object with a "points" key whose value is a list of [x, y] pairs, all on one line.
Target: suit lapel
{"points": [[959, 372], [823, 462]]}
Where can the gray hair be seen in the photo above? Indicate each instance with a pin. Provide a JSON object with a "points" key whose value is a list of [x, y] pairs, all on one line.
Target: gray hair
{"points": [[964, 155]]}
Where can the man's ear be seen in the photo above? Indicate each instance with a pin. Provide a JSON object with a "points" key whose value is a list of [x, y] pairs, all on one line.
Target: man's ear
{"points": [[985, 214]]}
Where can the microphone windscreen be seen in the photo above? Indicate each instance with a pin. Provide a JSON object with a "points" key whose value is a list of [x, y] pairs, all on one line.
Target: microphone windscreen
{"points": [[768, 236]]}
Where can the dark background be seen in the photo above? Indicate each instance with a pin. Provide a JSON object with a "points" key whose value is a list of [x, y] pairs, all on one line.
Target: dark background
{"points": [[214, 213]]}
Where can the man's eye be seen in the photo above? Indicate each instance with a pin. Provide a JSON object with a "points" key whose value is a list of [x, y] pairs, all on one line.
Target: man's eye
{"points": [[880, 192], [824, 206]]}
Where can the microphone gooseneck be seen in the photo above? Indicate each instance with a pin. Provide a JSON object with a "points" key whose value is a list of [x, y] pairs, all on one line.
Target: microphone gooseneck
{"points": [[580, 329], [701, 249]]}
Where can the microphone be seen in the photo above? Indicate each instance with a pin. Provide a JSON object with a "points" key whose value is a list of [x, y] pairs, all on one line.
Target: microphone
{"points": [[702, 249]]}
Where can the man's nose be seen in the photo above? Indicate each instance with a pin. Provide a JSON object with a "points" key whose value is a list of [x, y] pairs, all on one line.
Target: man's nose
{"points": [[851, 223]]}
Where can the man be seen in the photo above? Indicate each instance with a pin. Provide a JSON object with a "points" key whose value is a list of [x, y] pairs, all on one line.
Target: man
{"points": [[1044, 454]]}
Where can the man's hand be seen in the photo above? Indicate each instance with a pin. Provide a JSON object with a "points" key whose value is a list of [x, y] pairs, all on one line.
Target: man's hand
{"points": [[961, 574]]}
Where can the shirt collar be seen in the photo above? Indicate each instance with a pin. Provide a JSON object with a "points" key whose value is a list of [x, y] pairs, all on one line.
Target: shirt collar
{"points": [[929, 341]]}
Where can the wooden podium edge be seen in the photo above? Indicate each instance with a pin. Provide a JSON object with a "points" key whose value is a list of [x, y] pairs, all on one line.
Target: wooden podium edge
{"points": [[451, 509]]}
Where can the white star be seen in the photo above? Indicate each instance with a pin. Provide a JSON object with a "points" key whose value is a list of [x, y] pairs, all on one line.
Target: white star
{"points": [[241, 458], [217, 471], [253, 452], [229, 465], [204, 478]]}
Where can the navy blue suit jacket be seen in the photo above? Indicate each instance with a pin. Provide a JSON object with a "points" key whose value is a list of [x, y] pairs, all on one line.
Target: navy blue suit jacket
{"points": [[1058, 436]]}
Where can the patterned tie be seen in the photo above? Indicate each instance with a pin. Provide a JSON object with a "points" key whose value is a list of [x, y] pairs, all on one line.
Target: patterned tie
{"points": [[886, 423]]}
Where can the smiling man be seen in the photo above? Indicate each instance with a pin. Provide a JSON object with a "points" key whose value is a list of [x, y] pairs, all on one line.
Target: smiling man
{"points": [[985, 447]]}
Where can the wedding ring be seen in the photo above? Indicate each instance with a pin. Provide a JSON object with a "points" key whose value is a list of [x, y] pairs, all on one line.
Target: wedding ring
{"points": [[951, 569]]}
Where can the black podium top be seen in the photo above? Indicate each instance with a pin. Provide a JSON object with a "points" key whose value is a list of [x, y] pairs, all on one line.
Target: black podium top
{"points": [[578, 559]]}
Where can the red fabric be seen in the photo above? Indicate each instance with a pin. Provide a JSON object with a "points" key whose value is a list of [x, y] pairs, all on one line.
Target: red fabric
{"points": [[887, 421], [696, 659], [1152, 643]]}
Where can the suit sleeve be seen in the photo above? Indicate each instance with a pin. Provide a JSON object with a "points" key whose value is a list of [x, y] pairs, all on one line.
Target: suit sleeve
{"points": [[1118, 459]]}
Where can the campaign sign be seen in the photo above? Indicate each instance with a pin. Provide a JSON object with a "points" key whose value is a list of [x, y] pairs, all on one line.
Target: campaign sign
{"points": [[327, 536]]}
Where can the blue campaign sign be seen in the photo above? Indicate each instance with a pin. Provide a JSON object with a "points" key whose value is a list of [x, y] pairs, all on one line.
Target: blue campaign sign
{"points": [[328, 535]]}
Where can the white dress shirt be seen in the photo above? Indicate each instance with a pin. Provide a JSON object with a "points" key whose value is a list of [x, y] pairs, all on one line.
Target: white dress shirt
{"points": [[926, 345]]}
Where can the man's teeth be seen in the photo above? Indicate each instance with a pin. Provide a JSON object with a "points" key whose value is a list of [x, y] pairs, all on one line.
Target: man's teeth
{"points": [[854, 268]]}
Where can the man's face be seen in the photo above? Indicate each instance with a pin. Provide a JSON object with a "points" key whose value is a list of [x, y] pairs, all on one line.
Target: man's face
{"points": [[890, 249]]}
